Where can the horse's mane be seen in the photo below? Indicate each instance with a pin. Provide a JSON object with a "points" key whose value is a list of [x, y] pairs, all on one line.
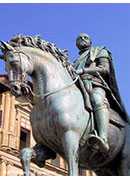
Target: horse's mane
{"points": [[38, 42]]}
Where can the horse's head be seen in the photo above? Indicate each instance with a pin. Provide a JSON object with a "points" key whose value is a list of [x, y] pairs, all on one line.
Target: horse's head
{"points": [[17, 66], [26, 54]]}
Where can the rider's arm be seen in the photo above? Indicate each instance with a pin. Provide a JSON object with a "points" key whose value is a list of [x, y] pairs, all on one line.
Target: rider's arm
{"points": [[102, 64], [102, 67]]}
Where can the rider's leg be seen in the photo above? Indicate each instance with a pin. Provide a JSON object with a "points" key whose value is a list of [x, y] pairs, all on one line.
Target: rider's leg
{"points": [[101, 111]]}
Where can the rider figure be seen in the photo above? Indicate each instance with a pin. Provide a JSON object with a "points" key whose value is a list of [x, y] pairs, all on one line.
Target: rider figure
{"points": [[94, 68]]}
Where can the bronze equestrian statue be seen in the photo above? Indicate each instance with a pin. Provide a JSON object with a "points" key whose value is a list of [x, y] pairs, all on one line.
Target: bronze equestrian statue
{"points": [[77, 111]]}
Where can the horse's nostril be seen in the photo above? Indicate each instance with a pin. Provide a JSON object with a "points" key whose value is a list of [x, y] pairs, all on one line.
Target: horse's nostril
{"points": [[16, 88]]}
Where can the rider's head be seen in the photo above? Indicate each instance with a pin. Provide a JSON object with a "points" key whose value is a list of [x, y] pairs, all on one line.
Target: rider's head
{"points": [[83, 41]]}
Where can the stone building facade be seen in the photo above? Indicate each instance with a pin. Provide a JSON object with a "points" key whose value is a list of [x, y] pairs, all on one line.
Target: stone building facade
{"points": [[16, 133]]}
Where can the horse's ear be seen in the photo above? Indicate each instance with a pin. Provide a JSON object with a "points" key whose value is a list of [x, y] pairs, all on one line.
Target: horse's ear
{"points": [[1, 46], [5, 46]]}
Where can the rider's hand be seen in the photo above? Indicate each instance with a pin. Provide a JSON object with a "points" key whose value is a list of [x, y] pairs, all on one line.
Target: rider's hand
{"points": [[79, 71]]}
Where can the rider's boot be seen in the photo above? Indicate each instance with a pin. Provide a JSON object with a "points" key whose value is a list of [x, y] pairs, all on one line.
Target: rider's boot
{"points": [[100, 141], [102, 116]]}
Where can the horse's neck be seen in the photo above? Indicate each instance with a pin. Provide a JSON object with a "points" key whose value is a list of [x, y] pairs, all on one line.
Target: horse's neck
{"points": [[50, 76]]}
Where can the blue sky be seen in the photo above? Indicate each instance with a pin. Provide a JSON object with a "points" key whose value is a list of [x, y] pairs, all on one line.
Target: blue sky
{"points": [[107, 24]]}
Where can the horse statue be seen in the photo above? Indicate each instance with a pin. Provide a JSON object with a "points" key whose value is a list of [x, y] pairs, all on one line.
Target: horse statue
{"points": [[60, 123]]}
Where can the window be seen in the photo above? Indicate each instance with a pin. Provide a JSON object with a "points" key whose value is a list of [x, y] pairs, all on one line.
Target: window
{"points": [[24, 138]]}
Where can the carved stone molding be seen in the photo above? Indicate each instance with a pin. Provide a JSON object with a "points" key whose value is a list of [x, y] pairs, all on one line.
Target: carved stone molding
{"points": [[10, 150]]}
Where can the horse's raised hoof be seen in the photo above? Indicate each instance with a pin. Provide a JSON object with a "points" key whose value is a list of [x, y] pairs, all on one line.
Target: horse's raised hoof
{"points": [[98, 144]]}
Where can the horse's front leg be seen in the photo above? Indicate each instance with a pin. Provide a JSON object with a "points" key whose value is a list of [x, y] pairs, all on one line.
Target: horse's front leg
{"points": [[38, 154], [70, 142], [26, 155]]}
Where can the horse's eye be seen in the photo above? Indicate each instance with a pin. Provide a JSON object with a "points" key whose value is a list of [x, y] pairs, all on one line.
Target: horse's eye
{"points": [[85, 37]]}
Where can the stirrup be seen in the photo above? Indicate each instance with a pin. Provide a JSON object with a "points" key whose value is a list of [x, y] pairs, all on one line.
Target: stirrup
{"points": [[97, 143]]}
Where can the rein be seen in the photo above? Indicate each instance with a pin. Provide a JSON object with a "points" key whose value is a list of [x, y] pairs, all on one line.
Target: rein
{"points": [[53, 92]]}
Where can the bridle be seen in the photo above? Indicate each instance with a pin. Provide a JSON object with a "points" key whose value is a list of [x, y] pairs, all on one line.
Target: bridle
{"points": [[21, 80], [23, 75]]}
